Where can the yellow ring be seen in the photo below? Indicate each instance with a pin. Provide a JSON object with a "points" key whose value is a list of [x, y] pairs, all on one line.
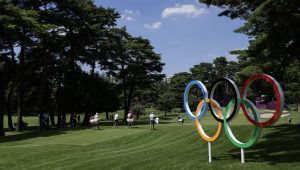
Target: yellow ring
{"points": [[199, 126]]}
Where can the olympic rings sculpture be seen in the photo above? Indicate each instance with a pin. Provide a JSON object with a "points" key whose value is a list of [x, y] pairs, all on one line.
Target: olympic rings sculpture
{"points": [[232, 109]]}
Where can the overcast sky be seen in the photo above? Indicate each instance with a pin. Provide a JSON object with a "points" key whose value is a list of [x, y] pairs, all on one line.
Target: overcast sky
{"points": [[184, 32]]}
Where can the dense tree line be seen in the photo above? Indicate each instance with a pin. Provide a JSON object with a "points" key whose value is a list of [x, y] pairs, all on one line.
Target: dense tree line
{"points": [[172, 95], [51, 51]]}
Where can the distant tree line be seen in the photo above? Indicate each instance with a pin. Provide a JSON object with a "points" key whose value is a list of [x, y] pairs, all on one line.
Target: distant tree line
{"points": [[172, 96]]}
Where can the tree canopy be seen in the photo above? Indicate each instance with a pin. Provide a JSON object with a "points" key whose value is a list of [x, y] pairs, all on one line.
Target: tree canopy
{"points": [[133, 63], [58, 49], [273, 28]]}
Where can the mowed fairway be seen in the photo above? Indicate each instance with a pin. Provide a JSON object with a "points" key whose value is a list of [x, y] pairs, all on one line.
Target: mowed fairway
{"points": [[171, 146]]}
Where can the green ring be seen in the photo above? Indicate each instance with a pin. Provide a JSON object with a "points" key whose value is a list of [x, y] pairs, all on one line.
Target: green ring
{"points": [[229, 133]]}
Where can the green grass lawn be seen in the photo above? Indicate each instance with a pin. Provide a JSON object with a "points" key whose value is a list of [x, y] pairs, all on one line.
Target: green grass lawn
{"points": [[171, 146]]}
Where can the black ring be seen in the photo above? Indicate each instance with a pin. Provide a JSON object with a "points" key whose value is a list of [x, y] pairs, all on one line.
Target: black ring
{"points": [[236, 97]]}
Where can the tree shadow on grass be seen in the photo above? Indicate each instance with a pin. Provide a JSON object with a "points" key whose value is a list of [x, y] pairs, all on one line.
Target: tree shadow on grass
{"points": [[135, 123], [31, 132], [280, 145]]}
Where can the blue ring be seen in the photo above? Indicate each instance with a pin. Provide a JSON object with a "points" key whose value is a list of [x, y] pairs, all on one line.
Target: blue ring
{"points": [[186, 99]]}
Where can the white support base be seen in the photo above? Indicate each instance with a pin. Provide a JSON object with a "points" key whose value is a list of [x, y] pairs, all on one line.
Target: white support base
{"points": [[242, 156], [209, 152]]}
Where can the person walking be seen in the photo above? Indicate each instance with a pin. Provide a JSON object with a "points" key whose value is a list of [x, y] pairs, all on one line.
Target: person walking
{"points": [[95, 120], [116, 119], [152, 121], [157, 120], [130, 119]]}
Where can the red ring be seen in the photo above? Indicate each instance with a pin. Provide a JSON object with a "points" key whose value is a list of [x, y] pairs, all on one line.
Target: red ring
{"points": [[279, 101]]}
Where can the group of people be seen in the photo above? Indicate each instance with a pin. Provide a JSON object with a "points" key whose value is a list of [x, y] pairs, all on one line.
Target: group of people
{"points": [[152, 119], [180, 119], [130, 119], [96, 118]]}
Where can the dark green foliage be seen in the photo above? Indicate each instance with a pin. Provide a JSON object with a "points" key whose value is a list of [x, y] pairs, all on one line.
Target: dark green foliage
{"points": [[132, 63], [166, 102], [203, 72], [234, 8], [138, 110], [274, 46], [49, 45], [177, 85], [207, 73]]}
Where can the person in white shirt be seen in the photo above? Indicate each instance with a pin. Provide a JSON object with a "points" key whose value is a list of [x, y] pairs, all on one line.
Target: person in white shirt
{"points": [[95, 120], [152, 122], [96, 115], [157, 120], [116, 118]]}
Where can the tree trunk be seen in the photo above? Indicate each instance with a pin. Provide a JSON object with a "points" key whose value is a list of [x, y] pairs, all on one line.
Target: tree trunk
{"points": [[52, 118], [64, 119], [298, 104], [72, 124], [8, 102], [58, 125], [126, 110], [41, 123], [72, 59], [2, 97], [125, 102], [43, 81], [86, 119], [42, 85], [58, 100], [19, 126], [9, 96], [181, 108], [129, 98], [127, 105], [106, 113]]}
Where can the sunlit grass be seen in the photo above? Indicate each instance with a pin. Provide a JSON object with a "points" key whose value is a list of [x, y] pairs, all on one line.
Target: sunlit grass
{"points": [[171, 146]]}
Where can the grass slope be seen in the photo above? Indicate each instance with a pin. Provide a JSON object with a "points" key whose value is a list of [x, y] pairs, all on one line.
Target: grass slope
{"points": [[172, 146]]}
